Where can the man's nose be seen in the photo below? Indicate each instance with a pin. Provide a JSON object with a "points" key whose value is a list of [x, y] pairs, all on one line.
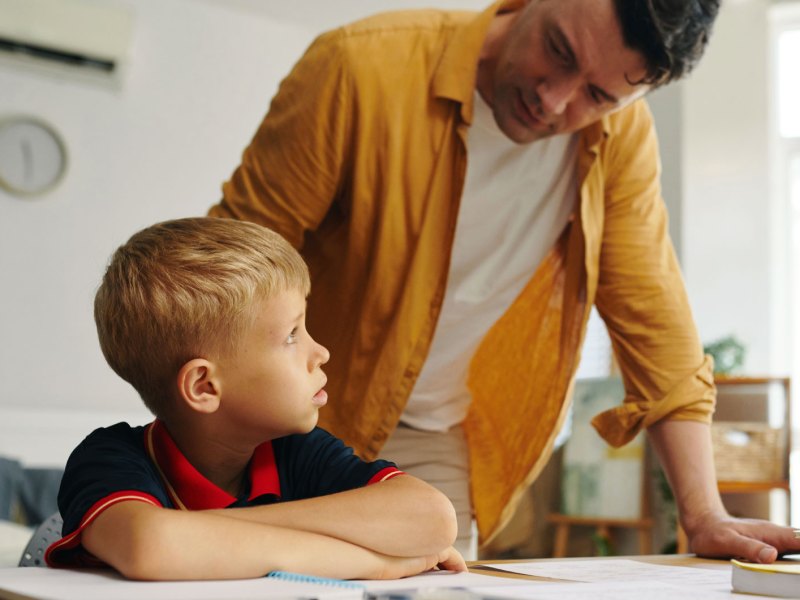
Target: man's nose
{"points": [[555, 93]]}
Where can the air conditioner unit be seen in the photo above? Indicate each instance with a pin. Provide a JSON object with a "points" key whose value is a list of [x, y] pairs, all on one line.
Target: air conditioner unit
{"points": [[78, 37]]}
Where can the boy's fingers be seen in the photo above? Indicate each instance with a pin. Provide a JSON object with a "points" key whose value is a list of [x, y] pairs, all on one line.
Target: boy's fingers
{"points": [[452, 561]]}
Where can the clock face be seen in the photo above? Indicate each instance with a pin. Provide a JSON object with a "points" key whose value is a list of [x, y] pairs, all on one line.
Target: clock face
{"points": [[33, 157]]}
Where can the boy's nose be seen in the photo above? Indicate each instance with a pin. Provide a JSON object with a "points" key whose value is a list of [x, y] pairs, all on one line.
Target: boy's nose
{"points": [[322, 355]]}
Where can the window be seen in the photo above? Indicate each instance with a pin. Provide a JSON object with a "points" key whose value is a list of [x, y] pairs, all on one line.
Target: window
{"points": [[785, 19], [788, 83]]}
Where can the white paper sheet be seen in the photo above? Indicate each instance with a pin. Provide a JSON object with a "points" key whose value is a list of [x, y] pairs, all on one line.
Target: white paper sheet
{"points": [[607, 590], [441, 579], [64, 584], [622, 570], [613, 579]]}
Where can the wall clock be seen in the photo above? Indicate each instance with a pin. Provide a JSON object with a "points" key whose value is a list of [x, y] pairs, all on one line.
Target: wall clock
{"points": [[33, 156]]}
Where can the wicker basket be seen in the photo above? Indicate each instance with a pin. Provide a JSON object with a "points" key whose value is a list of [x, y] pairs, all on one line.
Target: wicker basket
{"points": [[745, 451]]}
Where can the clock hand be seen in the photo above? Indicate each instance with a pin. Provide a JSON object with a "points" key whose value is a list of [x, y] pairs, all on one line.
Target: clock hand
{"points": [[27, 159]]}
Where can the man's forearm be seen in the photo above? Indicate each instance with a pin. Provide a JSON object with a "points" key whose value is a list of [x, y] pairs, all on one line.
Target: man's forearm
{"points": [[400, 517], [684, 448], [685, 451]]}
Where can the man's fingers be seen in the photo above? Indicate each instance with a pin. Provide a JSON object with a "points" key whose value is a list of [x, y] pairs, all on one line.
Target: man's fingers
{"points": [[767, 554], [732, 543], [754, 550], [771, 540]]}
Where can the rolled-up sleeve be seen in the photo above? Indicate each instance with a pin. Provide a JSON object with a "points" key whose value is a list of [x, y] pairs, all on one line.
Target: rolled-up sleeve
{"points": [[641, 294], [691, 400]]}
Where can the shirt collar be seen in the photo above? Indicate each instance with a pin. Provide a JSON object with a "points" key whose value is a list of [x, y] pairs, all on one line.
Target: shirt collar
{"points": [[458, 69], [595, 133], [189, 489]]}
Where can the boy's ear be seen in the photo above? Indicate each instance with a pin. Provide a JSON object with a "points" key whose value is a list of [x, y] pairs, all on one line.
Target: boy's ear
{"points": [[198, 386]]}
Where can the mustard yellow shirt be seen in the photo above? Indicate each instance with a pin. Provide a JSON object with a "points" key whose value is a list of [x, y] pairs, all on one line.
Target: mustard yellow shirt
{"points": [[360, 163]]}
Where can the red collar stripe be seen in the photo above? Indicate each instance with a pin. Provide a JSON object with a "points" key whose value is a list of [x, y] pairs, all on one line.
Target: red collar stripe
{"points": [[189, 489]]}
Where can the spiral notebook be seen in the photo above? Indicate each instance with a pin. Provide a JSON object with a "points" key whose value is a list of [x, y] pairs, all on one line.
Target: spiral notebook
{"points": [[322, 587]]}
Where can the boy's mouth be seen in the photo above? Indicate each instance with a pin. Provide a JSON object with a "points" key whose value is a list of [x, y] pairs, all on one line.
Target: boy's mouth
{"points": [[320, 398]]}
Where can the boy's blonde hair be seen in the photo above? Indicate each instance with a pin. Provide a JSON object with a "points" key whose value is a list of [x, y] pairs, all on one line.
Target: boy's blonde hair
{"points": [[185, 289]]}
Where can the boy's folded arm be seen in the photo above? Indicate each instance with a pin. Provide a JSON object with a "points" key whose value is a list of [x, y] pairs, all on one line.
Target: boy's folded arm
{"points": [[403, 516], [153, 543]]}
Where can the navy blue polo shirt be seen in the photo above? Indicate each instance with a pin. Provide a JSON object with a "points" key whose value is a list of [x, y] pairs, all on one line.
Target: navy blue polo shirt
{"points": [[121, 463]]}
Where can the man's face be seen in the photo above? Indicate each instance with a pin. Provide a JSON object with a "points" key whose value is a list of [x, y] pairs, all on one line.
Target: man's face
{"points": [[555, 66]]}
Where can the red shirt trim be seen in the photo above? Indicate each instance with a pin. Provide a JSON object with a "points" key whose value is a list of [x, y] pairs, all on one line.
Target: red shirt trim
{"points": [[385, 475]]}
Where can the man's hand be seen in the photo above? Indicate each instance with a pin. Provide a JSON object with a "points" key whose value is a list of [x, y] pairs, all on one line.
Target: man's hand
{"points": [[684, 448], [722, 536]]}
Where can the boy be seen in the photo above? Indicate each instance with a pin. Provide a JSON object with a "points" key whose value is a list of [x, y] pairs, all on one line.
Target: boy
{"points": [[206, 319]]}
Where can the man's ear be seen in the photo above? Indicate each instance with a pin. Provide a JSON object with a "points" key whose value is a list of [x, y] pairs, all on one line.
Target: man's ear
{"points": [[198, 385]]}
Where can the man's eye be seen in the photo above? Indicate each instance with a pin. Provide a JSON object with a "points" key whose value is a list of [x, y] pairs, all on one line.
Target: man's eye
{"points": [[558, 52], [597, 97]]}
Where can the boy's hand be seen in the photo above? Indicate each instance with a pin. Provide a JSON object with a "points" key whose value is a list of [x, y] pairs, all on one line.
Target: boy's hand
{"points": [[394, 567], [450, 559]]}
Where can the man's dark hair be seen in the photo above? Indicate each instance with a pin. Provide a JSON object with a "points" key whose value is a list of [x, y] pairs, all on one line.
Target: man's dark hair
{"points": [[670, 34]]}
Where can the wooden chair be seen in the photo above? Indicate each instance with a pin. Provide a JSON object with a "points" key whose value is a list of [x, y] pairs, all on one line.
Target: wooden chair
{"points": [[604, 527]]}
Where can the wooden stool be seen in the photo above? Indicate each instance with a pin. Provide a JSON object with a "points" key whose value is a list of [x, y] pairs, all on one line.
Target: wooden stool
{"points": [[603, 527]]}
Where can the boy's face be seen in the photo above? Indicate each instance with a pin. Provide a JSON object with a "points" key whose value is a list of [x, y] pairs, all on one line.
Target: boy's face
{"points": [[273, 385]]}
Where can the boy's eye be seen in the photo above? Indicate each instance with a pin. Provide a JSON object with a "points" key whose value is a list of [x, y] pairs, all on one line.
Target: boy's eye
{"points": [[292, 339]]}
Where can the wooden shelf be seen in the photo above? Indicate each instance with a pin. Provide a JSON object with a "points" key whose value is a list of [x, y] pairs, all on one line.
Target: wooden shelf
{"points": [[559, 518], [728, 486], [751, 487], [757, 380]]}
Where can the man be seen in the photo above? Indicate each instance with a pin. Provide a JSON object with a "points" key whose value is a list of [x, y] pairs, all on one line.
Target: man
{"points": [[466, 187]]}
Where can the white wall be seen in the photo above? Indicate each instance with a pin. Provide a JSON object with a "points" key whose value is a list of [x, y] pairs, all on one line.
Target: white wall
{"points": [[727, 223], [200, 78], [667, 106], [199, 81]]}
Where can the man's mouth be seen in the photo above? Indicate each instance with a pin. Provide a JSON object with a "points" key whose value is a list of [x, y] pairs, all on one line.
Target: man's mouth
{"points": [[531, 113], [527, 114]]}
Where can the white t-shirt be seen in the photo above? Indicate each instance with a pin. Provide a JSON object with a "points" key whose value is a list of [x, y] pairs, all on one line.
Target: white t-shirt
{"points": [[517, 200]]}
